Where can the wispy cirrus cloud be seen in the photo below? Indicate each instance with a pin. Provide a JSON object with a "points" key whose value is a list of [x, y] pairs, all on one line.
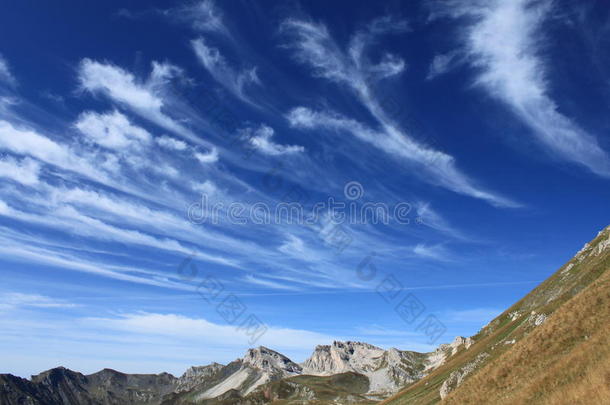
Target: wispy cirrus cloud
{"points": [[172, 144], [201, 16], [439, 167], [111, 130], [16, 300], [68, 218], [200, 329], [207, 158], [260, 139], [234, 80], [427, 216], [267, 283], [443, 63], [435, 252], [128, 336], [313, 46], [5, 72], [145, 98], [124, 212], [504, 41], [25, 171], [26, 141], [57, 258]]}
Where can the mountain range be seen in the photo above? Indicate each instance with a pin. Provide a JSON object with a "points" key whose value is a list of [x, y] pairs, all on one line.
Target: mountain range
{"points": [[367, 373], [552, 346]]}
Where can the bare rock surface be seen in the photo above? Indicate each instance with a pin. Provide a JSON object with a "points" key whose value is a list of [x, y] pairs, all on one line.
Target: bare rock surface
{"points": [[387, 370], [457, 377]]}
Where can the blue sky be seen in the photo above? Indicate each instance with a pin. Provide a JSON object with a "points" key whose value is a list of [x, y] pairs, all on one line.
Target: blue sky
{"points": [[485, 120]]}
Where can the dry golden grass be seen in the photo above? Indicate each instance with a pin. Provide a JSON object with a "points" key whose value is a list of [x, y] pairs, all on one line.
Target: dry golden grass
{"points": [[563, 361], [566, 360]]}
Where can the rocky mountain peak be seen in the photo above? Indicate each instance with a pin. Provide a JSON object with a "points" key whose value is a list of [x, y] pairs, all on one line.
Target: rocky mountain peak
{"points": [[386, 370], [195, 375], [348, 356], [201, 370], [353, 345], [459, 341], [439, 356], [269, 360], [58, 374]]}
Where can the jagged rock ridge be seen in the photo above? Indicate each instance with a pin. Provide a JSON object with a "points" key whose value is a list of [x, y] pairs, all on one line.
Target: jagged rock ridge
{"points": [[249, 377], [387, 370], [63, 386]]}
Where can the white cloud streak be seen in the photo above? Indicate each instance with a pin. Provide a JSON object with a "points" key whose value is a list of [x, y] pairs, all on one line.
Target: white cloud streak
{"points": [[70, 219], [439, 165], [229, 77], [504, 41], [25, 171], [143, 98], [55, 258], [314, 47], [175, 145], [435, 252], [202, 16], [5, 72], [24, 141], [112, 130], [443, 63], [263, 282], [207, 158], [14, 300], [202, 330], [171, 144], [427, 216], [260, 139]]}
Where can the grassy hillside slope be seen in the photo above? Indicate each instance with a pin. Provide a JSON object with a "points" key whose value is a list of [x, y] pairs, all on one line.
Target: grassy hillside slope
{"points": [[564, 361], [555, 338]]}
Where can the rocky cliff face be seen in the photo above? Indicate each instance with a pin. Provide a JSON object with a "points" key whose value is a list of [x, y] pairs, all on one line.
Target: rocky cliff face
{"points": [[342, 357], [439, 356], [258, 367], [194, 375], [387, 370], [271, 362], [256, 373]]}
